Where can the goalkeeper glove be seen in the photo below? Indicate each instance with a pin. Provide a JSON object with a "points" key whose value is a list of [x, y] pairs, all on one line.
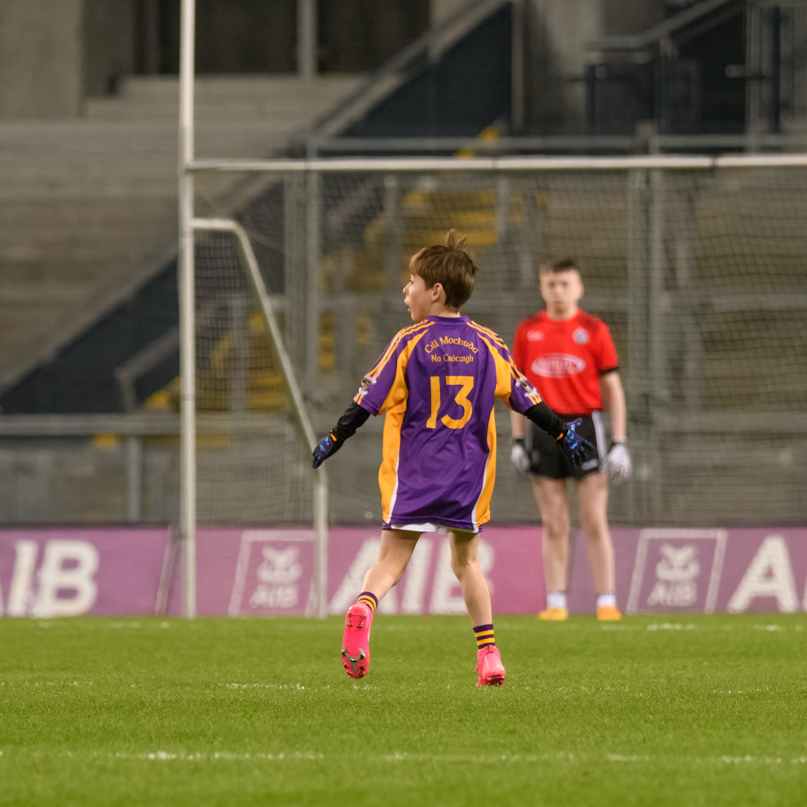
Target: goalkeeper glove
{"points": [[617, 463], [326, 447], [574, 445], [519, 455]]}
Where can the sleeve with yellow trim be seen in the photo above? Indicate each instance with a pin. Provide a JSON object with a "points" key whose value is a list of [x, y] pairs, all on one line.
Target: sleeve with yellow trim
{"points": [[381, 388], [384, 387]]}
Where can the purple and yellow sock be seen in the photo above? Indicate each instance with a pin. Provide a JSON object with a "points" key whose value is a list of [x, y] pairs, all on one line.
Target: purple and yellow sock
{"points": [[484, 636], [369, 599]]}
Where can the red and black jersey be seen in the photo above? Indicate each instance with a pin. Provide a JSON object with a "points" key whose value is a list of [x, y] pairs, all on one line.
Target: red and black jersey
{"points": [[564, 359]]}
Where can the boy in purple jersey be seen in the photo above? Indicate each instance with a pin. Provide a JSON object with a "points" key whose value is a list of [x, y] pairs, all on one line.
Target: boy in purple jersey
{"points": [[437, 382]]}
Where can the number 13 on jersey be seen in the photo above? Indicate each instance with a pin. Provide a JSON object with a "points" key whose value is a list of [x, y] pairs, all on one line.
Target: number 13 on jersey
{"points": [[466, 384]]}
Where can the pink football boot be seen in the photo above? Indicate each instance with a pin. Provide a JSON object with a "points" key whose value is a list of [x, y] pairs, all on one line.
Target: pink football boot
{"points": [[490, 667], [356, 641]]}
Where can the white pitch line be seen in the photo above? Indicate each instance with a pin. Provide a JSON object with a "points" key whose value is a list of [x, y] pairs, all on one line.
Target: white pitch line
{"points": [[588, 758], [419, 759], [227, 756], [669, 626], [463, 759]]}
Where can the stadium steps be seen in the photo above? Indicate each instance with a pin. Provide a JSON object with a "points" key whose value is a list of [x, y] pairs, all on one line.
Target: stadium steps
{"points": [[88, 206], [282, 100]]}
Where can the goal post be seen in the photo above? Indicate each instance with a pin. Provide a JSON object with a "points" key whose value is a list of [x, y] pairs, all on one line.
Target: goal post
{"points": [[187, 352], [696, 263]]}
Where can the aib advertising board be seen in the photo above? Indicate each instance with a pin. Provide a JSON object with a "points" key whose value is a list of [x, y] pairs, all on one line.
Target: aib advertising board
{"points": [[270, 572]]}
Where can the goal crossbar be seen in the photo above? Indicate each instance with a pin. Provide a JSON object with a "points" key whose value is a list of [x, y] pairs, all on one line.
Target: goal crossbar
{"points": [[507, 164]]}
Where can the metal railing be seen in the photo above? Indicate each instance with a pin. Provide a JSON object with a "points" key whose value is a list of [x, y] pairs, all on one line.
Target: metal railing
{"points": [[571, 145]]}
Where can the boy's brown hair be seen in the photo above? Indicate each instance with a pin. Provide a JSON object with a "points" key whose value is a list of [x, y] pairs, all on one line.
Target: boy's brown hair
{"points": [[448, 264], [559, 265]]}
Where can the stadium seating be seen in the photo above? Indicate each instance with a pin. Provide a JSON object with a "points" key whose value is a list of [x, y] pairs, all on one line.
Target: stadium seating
{"points": [[88, 208]]}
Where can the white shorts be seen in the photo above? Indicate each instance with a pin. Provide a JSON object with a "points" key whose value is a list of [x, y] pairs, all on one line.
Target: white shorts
{"points": [[429, 527]]}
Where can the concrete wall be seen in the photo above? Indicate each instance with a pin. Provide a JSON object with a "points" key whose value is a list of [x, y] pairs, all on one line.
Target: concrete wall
{"points": [[109, 44], [624, 17], [440, 10], [40, 59], [556, 35], [558, 32], [53, 52]]}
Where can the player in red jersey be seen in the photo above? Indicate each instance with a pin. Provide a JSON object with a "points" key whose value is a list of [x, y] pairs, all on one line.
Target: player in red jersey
{"points": [[570, 358]]}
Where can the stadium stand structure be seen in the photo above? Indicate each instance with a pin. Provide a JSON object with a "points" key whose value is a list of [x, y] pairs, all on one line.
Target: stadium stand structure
{"points": [[112, 345], [456, 79], [89, 212], [91, 266], [363, 251]]}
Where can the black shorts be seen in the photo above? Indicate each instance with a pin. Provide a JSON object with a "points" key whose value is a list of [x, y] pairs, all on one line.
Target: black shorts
{"points": [[549, 459]]}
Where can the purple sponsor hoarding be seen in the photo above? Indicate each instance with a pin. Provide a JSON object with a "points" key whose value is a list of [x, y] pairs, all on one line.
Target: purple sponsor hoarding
{"points": [[679, 570], [270, 572], [267, 572], [68, 572], [510, 558], [252, 572]]}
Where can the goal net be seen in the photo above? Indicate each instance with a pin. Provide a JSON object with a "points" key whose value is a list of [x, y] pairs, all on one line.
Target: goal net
{"points": [[253, 460], [252, 437], [698, 266]]}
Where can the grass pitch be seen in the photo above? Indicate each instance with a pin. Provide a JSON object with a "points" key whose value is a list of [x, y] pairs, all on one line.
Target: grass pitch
{"points": [[695, 710]]}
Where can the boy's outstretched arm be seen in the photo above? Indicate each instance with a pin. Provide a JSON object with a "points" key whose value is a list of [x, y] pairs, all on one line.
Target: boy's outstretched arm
{"points": [[575, 446], [345, 427]]}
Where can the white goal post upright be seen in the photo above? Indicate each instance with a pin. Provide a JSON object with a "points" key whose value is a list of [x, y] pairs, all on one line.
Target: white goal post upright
{"points": [[187, 324], [188, 225]]}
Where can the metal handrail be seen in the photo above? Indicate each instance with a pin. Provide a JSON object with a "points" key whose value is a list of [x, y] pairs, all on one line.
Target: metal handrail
{"points": [[134, 424], [662, 31], [167, 424], [481, 145], [567, 144]]}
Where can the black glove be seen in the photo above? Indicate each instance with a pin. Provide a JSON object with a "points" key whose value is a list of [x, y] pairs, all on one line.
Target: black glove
{"points": [[326, 447], [575, 446]]}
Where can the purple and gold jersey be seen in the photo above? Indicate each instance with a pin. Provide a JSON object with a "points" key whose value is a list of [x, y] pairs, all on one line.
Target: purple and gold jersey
{"points": [[437, 382]]}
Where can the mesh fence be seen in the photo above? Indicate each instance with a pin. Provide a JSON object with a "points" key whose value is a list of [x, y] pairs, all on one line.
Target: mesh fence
{"points": [[700, 274], [252, 466]]}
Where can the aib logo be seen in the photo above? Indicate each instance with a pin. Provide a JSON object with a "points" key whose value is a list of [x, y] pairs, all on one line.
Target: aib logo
{"points": [[278, 577], [676, 576], [274, 573], [677, 568]]}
